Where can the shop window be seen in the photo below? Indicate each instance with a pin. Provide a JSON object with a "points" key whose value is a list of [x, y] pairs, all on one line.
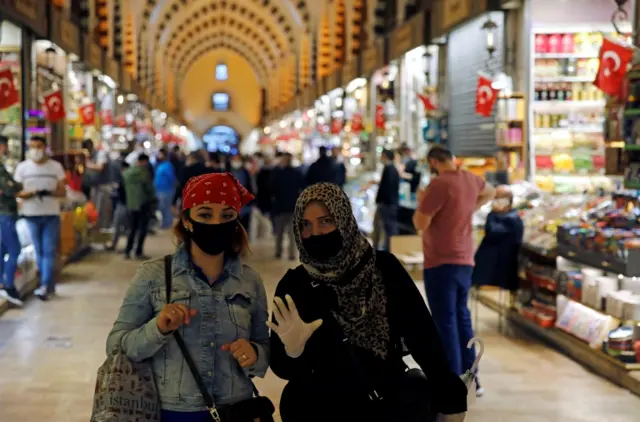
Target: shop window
{"points": [[221, 101], [222, 73]]}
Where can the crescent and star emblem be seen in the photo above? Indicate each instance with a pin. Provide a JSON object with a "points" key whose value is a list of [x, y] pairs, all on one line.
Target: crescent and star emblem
{"points": [[616, 62], [484, 94]]}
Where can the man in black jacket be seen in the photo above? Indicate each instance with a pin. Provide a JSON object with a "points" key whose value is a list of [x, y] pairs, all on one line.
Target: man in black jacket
{"points": [[286, 185], [387, 202], [323, 170], [194, 167]]}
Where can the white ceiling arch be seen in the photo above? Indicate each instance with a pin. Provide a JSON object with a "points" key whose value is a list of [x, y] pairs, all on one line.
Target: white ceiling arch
{"points": [[235, 45]]}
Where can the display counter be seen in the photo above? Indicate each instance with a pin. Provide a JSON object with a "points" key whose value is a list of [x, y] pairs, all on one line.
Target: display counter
{"points": [[580, 285]]}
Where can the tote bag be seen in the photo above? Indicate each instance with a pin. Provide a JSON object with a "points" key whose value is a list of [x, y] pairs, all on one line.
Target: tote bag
{"points": [[125, 391]]}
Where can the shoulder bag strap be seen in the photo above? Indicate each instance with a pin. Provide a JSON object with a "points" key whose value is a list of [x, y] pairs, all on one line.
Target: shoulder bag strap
{"points": [[208, 400]]}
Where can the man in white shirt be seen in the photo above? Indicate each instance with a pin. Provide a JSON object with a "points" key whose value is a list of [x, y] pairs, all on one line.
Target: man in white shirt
{"points": [[43, 182]]}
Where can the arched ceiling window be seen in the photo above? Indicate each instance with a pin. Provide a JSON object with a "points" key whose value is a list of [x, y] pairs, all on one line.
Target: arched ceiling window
{"points": [[222, 72]]}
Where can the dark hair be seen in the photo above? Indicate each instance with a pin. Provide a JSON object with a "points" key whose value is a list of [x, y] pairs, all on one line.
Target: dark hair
{"points": [[440, 154], [124, 165], [4, 140], [38, 138], [240, 243], [195, 155], [389, 154], [87, 143], [163, 151], [143, 158], [322, 151]]}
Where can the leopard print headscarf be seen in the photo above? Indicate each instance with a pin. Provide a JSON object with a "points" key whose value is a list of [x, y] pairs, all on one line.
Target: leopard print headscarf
{"points": [[362, 300]]}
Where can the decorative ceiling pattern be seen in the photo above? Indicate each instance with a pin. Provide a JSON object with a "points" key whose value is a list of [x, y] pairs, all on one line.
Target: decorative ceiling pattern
{"points": [[279, 40]]}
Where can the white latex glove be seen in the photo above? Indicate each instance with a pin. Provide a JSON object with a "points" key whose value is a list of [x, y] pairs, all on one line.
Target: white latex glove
{"points": [[292, 330]]}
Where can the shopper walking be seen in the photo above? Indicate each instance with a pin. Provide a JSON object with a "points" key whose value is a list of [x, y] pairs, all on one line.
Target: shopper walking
{"points": [[240, 172], [385, 220], [43, 183], [138, 186], [264, 195], [286, 185], [340, 168], [10, 247], [340, 322], [121, 220], [165, 182], [218, 304], [322, 170], [444, 217], [98, 182]]}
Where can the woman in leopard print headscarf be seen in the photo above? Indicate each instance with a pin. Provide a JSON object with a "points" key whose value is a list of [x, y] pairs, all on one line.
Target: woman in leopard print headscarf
{"points": [[340, 321]]}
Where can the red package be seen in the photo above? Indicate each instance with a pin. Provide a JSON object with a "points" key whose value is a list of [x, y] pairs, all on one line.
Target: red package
{"points": [[544, 162], [542, 44], [555, 43], [568, 45]]}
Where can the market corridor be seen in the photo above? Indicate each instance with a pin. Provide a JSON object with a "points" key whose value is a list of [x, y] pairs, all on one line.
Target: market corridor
{"points": [[49, 353]]}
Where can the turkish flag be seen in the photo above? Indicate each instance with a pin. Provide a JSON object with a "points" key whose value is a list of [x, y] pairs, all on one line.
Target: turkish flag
{"points": [[53, 106], [427, 102], [357, 123], [8, 92], [485, 96], [614, 60], [106, 117], [336, 126], [380, 119], [87, 114]]}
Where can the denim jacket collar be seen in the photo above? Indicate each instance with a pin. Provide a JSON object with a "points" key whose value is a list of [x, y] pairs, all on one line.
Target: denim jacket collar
{"points": [[182, 263]]}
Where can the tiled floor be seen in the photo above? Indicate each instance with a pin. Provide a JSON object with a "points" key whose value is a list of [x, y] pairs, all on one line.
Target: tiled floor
{"points": [[49, 353]]}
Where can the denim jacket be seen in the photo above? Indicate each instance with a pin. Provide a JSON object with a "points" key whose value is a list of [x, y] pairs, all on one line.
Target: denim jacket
{"points": [[233, 307]]}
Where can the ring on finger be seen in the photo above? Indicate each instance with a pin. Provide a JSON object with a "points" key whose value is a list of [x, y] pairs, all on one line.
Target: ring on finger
{"points": [[244, 357]]}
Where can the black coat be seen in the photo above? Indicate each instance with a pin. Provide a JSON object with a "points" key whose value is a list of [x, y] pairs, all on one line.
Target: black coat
{"points": [[323, 170], [497, 257], [323, 378]]}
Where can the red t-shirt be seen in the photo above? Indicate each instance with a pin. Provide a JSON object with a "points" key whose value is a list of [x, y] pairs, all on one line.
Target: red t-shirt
{"points": [[450, 199]]}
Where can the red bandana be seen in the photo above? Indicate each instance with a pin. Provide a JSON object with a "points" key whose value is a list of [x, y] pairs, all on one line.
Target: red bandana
{"points": [[215, 188]]}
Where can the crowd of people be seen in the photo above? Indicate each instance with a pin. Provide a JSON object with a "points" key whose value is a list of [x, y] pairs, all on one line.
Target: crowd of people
{"points": [[342, 321]]}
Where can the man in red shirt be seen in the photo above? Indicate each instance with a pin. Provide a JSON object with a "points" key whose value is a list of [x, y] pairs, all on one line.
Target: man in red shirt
{"points": [[444, 218]]}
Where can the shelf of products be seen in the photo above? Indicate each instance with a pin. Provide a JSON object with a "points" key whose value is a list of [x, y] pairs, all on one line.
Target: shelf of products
{"points": [[569, 114], [10, 123]]}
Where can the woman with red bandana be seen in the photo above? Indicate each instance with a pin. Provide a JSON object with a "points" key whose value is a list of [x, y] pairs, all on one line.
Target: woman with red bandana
{"points": [[217, 303]]}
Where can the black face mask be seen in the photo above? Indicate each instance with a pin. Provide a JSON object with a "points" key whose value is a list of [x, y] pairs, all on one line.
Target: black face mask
{"points": [[323, 247], [213, 239]]}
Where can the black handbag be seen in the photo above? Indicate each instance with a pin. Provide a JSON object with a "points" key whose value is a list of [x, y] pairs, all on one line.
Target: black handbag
{"points": [[258, 408]]}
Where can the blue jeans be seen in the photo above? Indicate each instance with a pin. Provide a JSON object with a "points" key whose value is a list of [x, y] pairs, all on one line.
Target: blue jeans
{"points": [[447, 288], [45, 235], [9, 247], [165, 200]]}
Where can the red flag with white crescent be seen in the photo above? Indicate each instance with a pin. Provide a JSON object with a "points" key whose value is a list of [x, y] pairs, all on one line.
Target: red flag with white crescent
{"points": [[614, 61], [53, 106], [8, 93], [486, 96], [88, 114], [427, 102]]}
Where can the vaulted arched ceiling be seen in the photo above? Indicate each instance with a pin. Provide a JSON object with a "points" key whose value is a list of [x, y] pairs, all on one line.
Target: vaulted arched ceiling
{"points": [[174, 36]]}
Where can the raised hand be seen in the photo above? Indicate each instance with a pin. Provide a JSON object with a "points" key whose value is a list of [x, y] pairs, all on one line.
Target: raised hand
{"points": [[292, 330]]}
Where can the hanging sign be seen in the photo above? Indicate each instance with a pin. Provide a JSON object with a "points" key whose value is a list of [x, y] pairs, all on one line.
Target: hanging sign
{"points": [[370, 60], [485, 96], [53, 106], [31, 13], [407, 37], [94, 55], [8, 93], [349, 71], [113, 70], [614, 61], [449, 13], [87, 114], [64, 32]]}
